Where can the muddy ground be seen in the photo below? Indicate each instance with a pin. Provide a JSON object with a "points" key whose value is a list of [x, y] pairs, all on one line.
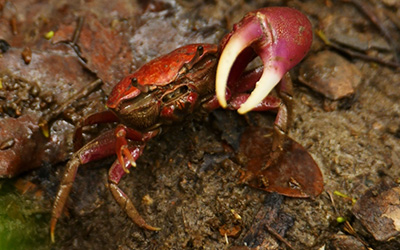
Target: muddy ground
{"points": [[186, 181]]}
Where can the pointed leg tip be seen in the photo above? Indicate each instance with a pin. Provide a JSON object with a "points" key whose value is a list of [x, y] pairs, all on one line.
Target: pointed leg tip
{"points": [[52, 237], [52, 229], [151, 228], [156, 228]]}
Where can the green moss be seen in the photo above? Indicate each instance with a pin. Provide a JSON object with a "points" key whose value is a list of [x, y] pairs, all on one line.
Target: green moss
{"points": [[23, 220]]}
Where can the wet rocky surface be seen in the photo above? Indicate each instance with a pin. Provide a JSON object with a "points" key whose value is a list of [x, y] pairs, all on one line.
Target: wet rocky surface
{"points": [[187, 181]]}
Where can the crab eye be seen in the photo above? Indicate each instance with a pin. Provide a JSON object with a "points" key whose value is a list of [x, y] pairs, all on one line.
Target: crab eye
{"points": [[142, 88], [187, 66], [134, 81], [200, 50]]}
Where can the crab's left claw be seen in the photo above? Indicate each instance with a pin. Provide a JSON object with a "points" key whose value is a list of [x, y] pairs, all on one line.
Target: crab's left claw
{"points": [[280, 36]]}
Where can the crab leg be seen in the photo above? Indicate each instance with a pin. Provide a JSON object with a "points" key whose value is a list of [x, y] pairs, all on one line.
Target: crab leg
{"points": [[96, 118], [115, 174], [280, 36], [101, 147]]}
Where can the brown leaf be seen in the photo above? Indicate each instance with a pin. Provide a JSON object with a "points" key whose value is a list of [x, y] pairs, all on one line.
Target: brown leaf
{"points": [[106, 51], [295, 173]]}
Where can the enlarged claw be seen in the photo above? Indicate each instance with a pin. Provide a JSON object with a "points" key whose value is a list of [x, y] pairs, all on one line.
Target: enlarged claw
{"points": [[280, 36]]}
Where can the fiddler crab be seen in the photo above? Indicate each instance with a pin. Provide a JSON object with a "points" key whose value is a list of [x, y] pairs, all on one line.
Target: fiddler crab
{"points": [[168, 88]]}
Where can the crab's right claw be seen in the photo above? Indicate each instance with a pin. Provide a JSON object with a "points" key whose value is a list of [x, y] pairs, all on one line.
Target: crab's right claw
{"points": [[280, 36]]}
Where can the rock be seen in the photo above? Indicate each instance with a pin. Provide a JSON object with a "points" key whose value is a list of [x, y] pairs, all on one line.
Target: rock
{"points": [[330, 74], [379, 210], [345, 242]]}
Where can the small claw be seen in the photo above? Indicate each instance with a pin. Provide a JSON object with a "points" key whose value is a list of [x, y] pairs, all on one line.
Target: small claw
{"points": [[122, 149], [280, 36], [120, 156], [124, 152], [128, 155]]}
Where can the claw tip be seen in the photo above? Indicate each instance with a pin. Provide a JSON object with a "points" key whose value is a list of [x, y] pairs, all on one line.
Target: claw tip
{"points": [[269, 79], [242, 111], [222, 103]]}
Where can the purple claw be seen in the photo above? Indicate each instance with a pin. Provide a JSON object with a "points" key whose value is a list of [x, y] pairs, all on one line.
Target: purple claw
{"points": [[280, 36]]}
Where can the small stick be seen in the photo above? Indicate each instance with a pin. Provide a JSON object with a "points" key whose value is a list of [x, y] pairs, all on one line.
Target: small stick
{"points": [[85, 91], [75, 39], [78, 30], [368, 11], [355, 54], [278, 236]]}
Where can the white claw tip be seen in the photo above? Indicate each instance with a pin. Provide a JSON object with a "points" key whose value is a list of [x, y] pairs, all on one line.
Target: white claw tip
{"points": [[232, 49], [267, 82]]}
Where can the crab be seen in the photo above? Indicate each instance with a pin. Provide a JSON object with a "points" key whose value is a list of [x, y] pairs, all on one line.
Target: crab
{"points": [[191, 78]]}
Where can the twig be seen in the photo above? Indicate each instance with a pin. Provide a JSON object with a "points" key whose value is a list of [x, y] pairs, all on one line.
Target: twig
{"points": [[85, 91], [368, 11], [278, 236], [75, 39], [78, 30], [355, 54]]}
